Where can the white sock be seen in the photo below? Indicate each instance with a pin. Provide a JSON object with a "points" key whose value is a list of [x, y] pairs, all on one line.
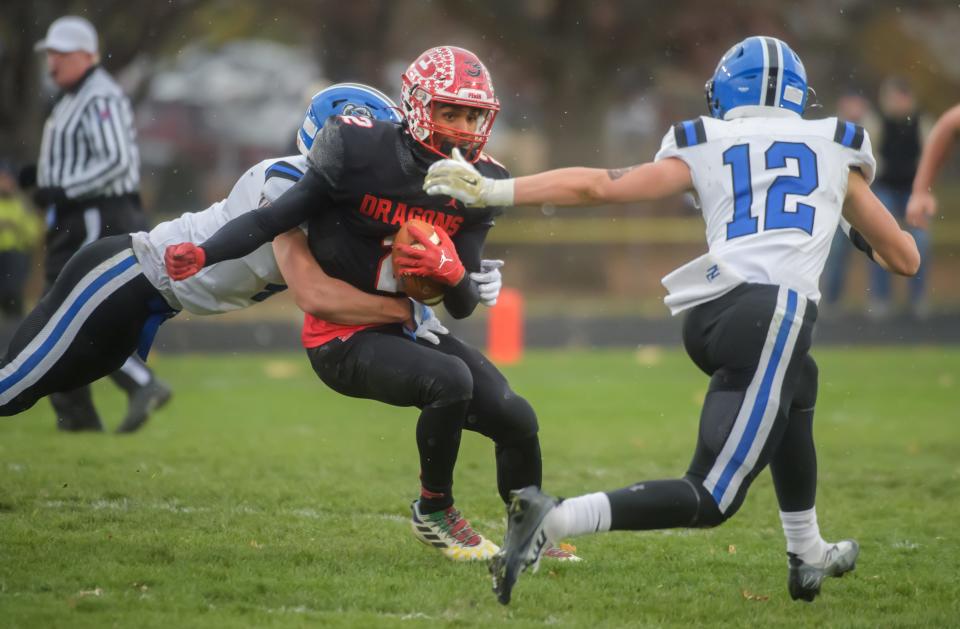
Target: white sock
{"points": [[578, 516], [803, 535]]}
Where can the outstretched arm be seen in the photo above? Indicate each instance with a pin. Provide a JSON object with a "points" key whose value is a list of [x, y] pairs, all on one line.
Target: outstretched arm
{"points": [[892, 248], [586, 186], [923, 205], [564, 186], [324, 297]]}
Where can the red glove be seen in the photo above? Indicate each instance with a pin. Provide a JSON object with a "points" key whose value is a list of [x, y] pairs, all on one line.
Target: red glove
{"points": [[439, 262], [184, 260]]}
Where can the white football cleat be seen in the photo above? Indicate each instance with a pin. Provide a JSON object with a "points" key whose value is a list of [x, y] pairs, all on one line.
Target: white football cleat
{"points": [[452, 534], [804, 578]]}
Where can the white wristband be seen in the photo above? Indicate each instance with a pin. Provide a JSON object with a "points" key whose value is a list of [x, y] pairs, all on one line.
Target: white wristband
{"points": [[501, 192]]}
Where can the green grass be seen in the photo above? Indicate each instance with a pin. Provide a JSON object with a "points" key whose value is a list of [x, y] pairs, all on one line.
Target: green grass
{"points": [[260, 498]]}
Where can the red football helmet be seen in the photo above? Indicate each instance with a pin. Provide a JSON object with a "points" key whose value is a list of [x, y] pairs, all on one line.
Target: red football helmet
{"points": [[452, 76]]}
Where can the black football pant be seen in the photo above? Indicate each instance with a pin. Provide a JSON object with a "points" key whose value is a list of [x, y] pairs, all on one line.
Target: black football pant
{"points": [[71, 227], [454, 386], [99, 311], [754, 343]]}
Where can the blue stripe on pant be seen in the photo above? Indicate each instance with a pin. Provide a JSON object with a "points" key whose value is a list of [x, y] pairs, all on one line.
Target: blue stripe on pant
{"points": [[22, 367], [760, 403]]}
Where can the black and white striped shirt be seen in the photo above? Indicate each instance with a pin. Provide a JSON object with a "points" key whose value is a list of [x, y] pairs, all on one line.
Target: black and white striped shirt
{"points": [[88, 146]]}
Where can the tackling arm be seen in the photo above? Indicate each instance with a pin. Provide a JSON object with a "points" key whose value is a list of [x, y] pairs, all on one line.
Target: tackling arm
{"points": [[324, 297], [893, 248], [923, 205]]}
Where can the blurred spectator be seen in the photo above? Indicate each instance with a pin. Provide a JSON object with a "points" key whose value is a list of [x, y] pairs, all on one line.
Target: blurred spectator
{"points": [[898, 152], [19, 234], [923, 204], [853, 107], [87, 181]]}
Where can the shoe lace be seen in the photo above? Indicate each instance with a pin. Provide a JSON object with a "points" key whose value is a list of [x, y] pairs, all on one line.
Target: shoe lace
{"points": [[456, 526]]}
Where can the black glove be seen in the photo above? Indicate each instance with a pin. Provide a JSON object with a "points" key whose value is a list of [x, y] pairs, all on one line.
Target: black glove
{"points": [[27, 177], [45, 197]]}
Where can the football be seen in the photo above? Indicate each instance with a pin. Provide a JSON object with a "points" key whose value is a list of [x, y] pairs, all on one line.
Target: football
{"points": [[422, 289]]}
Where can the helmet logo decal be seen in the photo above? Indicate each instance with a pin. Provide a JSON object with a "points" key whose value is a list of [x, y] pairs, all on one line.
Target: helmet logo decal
{"points": [[352, 109], [473, 69]]}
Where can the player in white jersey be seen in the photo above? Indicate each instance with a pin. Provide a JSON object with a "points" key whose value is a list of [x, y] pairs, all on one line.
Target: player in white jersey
{"points": [[113, 294], [772, 187]]}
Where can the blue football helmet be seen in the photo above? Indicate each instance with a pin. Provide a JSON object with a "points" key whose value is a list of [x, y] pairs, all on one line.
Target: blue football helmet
{"points": [[759, 71], [344, 99]]}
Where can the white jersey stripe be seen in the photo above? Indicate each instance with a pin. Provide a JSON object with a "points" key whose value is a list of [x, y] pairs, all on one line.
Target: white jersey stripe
{"points": [[93, 224], [46, 348]]}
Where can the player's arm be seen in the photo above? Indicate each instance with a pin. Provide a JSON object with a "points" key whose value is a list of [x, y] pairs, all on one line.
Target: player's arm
{"points": [[590, 186], [450, 262], [565, 186], [923, 204], [461, 299], [879, 234], [244, 234], [324, 297]]}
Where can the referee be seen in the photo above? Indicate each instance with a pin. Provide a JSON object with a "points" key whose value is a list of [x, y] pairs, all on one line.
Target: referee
{"points": [[87, 180]]}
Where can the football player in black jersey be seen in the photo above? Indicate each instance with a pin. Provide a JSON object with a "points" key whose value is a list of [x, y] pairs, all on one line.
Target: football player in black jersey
{"points": [[363, 183]]}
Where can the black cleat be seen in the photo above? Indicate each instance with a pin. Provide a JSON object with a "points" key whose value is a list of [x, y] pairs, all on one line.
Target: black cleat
{"points": [[145, 400], [804, 579], [525, 539], [87, 425], [75, 411]]}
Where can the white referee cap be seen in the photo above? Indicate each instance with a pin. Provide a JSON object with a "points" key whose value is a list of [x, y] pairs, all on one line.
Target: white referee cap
{"points": [[69, 34]]}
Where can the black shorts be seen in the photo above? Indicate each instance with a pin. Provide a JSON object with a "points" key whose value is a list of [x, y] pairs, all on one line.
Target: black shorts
{"points": [[754, 342], [97, 313], [384, 364], [75, 225]]}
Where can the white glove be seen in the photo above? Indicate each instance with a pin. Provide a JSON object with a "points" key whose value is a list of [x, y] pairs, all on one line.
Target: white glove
{"points": [[489, 281], [428, 326], [460, 179]]}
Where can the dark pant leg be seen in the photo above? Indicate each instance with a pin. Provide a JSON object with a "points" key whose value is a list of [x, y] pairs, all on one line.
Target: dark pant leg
{"points": [[125, 216], [86, 326], [76, 226], [497, 412], [753, 342], [70, 229], [794, 463], [383, 364]]}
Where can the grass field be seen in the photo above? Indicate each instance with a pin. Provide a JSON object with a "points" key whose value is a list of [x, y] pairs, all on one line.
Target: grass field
{"points": [[259, 498]]}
